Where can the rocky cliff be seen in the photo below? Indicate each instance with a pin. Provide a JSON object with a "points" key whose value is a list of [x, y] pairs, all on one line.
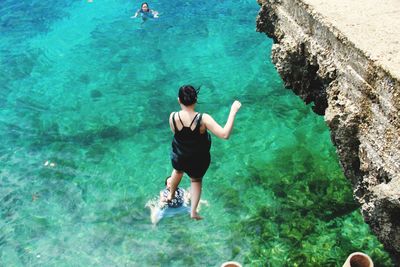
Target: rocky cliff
{"points": [[323, 55]]}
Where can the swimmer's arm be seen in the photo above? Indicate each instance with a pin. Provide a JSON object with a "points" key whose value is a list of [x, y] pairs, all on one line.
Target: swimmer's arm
{"points": [[136, 14], [155, 13], [216, 129]]}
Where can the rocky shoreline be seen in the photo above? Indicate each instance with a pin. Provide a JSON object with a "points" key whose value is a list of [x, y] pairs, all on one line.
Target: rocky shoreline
{"points": [[356, 89]]}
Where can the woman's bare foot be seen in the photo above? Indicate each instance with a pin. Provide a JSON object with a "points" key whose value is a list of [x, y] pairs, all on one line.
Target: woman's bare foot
{"points": [[196, 216]]}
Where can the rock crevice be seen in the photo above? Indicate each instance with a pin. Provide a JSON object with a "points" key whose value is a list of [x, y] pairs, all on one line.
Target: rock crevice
{"points": [[359, 97]]}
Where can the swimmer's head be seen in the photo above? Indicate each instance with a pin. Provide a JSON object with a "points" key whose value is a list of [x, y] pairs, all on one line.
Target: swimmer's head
{"points": [[145, 7], [188, 95], [168, 181]]}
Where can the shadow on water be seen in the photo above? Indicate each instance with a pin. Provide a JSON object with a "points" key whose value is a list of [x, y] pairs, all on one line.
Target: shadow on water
{"points": [[45, 135], [36, 17]]}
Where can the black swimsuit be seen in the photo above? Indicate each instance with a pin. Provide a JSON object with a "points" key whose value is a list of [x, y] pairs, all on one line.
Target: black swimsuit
{"points": [[191, 149]]}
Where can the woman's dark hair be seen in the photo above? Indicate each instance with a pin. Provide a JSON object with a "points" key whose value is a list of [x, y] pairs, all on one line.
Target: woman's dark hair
{"points": [[188, 95], [166, 179], [144, 3]]}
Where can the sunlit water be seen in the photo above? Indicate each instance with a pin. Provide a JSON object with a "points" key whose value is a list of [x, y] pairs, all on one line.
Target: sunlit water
{"points": [[85, 96]]}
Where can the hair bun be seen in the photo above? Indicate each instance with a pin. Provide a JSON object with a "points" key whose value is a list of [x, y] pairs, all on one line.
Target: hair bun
{"points": [[187, 95]]}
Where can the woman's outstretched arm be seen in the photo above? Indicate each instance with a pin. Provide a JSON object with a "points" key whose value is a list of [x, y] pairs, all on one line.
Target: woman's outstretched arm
{"points": [[216, 129], [136, 14], [155, 13]]}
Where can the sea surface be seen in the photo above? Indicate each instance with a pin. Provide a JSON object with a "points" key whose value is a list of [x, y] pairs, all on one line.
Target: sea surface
{"points": [[85, 95]]}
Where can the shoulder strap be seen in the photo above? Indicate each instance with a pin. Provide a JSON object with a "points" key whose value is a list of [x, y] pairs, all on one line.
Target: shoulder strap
{"points": [[179, 116], [195, 116], [199, 120]]}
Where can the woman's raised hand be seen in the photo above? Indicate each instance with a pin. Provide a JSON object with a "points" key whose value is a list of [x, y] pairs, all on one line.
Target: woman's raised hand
{"points": [[236, 106]]}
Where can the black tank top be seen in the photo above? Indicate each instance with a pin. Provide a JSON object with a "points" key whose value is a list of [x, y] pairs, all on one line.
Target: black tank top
{"points": [[187, 143]]}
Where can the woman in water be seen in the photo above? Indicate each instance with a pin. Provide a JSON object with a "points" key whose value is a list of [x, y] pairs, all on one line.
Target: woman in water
{"points": [[191, 144], [145, 12]]}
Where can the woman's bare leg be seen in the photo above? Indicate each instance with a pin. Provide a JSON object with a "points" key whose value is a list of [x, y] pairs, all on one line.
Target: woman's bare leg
{"points": [[195, 197], [176, 178]]}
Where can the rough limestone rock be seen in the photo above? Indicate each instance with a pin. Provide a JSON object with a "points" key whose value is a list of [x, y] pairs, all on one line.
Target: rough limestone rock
{"points": [[355, 87]]}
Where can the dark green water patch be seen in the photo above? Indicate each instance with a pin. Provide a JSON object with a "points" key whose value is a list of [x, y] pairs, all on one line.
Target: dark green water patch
{"points": [[314, 221]]}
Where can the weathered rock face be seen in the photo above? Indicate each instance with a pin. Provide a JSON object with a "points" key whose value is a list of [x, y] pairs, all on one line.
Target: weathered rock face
{"points": [[359, 99]]}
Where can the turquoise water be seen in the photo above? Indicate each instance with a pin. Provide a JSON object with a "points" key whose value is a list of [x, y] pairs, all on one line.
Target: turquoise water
{"points": [[85, 99]]}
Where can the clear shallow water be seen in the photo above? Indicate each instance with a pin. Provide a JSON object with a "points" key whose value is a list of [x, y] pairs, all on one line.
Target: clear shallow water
{"points": [[85, 98]]}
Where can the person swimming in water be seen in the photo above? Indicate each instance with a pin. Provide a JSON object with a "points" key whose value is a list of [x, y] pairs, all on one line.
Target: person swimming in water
{"points": [[145, 12], [191, 143], [163, 208]]}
